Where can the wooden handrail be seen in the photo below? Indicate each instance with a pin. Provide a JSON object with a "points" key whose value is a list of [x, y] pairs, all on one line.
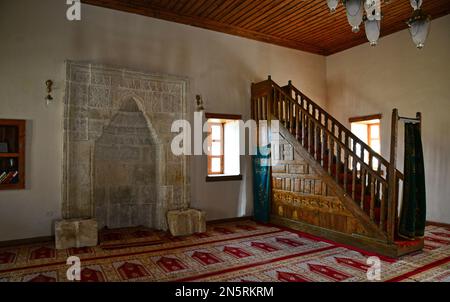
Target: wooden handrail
{"points": [[341, 127], [354, 155]]}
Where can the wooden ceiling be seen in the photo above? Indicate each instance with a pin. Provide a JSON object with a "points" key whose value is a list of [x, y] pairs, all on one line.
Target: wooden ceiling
{"points": [[300, 24]]}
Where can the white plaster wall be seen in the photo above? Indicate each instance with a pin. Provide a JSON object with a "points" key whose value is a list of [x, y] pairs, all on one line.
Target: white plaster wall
{"points": [[367, 80], [36, 38]]}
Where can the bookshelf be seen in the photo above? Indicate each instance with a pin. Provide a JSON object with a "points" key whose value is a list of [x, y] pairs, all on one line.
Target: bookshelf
{"points": [[12, 154]]}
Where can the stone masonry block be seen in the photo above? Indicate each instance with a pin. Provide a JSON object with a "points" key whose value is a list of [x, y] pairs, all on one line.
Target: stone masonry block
{"points": [[75, 233], [186, 222]]}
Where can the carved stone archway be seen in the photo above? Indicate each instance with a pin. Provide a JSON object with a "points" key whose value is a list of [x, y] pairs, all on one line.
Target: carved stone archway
{"points": [[139, 106]]}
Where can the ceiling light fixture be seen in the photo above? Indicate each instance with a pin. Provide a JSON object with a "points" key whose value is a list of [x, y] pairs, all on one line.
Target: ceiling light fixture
{"points": [[332, 5], [355, 12], [419, 23], [372, 28]]}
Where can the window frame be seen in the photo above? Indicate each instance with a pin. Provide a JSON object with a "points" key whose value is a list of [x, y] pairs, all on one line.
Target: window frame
{"points": [[366, 118], [222, 146], [369, 135], [214, 176]]}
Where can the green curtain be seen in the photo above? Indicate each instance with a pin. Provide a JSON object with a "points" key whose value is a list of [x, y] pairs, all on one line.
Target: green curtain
{"points": [[413, 209], [261, 184]]}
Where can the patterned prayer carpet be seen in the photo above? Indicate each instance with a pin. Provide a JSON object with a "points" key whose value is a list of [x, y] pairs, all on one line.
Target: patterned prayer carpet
{"points": [[234, 251]]}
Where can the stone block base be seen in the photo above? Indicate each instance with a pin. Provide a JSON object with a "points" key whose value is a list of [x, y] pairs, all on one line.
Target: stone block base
{"points": [[75, 233], [186, 222]]}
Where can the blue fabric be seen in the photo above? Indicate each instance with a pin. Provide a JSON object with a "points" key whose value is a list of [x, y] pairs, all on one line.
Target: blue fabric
{"points": [[261, 184]]}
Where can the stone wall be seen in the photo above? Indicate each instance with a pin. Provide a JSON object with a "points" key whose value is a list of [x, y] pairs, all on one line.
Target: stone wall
{"points": [[118, 166]]}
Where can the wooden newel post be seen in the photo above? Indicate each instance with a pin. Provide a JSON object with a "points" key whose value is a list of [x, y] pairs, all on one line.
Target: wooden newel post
{"points": [[392, 172], [419, 117]]}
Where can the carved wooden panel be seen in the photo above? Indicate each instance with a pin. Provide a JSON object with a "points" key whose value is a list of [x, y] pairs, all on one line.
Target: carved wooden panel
{"points": [[322, 211], [299, 194], [323, 204], [292, 173]]}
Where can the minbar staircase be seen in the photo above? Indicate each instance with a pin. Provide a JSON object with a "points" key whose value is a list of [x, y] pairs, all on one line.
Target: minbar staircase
{"points": [[357, 199]]}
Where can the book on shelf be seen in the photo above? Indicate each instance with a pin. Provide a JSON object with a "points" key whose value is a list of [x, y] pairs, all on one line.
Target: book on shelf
{"points": [[9, 177]]}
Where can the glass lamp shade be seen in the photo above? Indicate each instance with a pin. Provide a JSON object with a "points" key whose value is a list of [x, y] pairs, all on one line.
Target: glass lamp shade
{"points": [[419, 27], [416, 4], [372, 28], [373, 9], [332, 5], [355, 12]]}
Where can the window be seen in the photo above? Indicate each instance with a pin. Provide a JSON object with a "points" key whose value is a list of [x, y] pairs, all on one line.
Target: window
{"points": [[223, 147], [367, 129], [215, 148]]}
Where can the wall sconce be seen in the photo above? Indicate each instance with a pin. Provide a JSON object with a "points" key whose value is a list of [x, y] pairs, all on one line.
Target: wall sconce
{"points": [[199, 103], [49, 84]]}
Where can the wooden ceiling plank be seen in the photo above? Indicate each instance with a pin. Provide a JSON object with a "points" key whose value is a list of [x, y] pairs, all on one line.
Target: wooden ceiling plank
{"points": [[292, 17], [311, 12], [197, 4], [203, 7], [179, 6], [242, 8], [261, 8], [309, 26], [220, 9], [187, 6], [265, 25], [157, 12], [215, 4], [267, 15], [172, 4], [231, 6]]}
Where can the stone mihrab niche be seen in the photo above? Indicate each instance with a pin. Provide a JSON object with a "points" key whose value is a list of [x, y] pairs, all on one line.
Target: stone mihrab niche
{"points": [[118, 165]]}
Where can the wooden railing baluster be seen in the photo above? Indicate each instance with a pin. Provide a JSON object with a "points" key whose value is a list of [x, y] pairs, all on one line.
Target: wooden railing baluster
{"points": [[316, 142], [331, 156], [345, 169], [372, 198], [322, 148], [383, 207], [363, 186], [355, 167], [291, 117], [338, 161], [309, 134]]}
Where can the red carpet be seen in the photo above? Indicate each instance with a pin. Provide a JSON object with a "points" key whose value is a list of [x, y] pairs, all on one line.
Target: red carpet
{"points": [[238, 251]]}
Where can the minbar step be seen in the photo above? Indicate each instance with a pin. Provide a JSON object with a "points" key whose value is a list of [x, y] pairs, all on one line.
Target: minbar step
{"points": [[395, 250]]}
